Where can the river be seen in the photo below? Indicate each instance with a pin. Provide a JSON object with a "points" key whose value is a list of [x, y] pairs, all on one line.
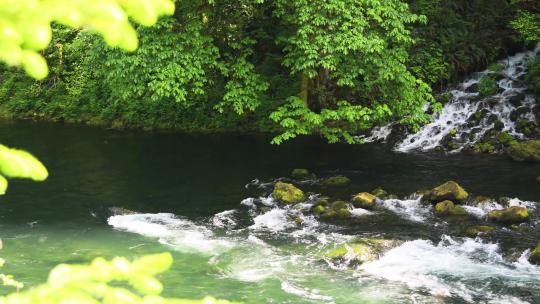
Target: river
{"points": [[201, 197]]}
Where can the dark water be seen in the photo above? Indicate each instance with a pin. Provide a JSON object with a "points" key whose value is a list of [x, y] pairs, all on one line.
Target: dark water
{"points": [[196, 176]]}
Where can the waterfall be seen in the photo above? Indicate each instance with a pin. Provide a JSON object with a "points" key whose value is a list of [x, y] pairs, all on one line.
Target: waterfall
{"points": [[467, 117]]}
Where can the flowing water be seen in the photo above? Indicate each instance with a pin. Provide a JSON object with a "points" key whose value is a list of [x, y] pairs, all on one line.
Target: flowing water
{"points": [[458, 114], [206, 199]]}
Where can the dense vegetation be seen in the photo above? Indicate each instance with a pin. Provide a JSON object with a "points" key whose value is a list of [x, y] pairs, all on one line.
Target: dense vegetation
{"points": [[327, 67]]}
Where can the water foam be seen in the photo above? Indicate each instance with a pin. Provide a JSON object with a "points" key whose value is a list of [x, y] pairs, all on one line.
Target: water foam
{"points": [[180, 233], [448, 268], [410, 208], [456, 114]]}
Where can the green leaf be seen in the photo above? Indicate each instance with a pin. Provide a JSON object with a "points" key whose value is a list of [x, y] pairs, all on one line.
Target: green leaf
{"points": [[21, 164]]}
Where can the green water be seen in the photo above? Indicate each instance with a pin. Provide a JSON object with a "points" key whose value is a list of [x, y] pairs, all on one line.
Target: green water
{"points": [[262, 256]]}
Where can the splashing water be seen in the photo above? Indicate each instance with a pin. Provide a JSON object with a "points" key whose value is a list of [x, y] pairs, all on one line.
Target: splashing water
{"points": [[457, 118]]}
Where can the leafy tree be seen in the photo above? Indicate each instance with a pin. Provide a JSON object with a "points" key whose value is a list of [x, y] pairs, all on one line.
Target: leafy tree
{"points": [[351, 59], [528, 21], [25, 25]]}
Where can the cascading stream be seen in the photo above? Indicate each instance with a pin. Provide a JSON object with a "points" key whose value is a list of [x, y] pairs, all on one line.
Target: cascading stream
{"points": [[468, 117]]}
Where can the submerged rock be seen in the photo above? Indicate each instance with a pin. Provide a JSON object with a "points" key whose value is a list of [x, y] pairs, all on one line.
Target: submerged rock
{"points": [[451, 191], [534, 258], [448, 208], [362, 251], [525, 151], [301, 174], [476, 230], [512, 215], [288, 193], [379, 192], [336, 181], [364, 200], [318, 209], [120, 211]]}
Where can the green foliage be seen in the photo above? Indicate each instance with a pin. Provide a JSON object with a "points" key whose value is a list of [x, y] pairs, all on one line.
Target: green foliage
{"points": [[357, 47], [528, 25], [487, 86], [25, 25], [331, 68], [19, 164], [533, 75], [495, 67], [118, 281]]}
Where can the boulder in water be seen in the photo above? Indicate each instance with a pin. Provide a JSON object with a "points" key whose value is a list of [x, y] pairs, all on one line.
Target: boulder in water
{"points": [[528, 128], [362, 251], [517, 100], [301, 174], [534, 258], [120, 211], [476, 230], [448, 208], [525, 151], [318, 209], [480, 199], [506, 139], [364, 200], [379, 192], [511, 215], [336, 181], [288, 193], [451, 191]]}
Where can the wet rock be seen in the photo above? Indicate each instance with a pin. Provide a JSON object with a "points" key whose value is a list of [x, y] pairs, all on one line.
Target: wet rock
{"points": [[476, 230], [512, 215], [451, 191], [329, 214], [288, 193], [479, 200], [362, 251], [528, 128], [444, 98], [484, 147], [498, 125], [534, 258], [446, 208], [517, 100], [473, 88], [504, 201], [302, 174], [338, 205], [364, 200], [379, 192], [506, 139], [318, 210], [525, 151], [322, 201], [336, 181], [120, 211]]}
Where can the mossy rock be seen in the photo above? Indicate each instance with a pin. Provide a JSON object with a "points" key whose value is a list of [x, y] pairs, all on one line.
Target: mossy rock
{"points": [[336, 181], [322, 201], [344, 213], [340, 205], [329, 214], [534, 258], [525, 151], [362, 251], [379, 192], [480, 199], [512, 215], [288, 193], [301, 174], [476, 230], [364, 200], [498, 125], [506, 139], [451, 191], [484, 147], [318, 210], [446, 208]]}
